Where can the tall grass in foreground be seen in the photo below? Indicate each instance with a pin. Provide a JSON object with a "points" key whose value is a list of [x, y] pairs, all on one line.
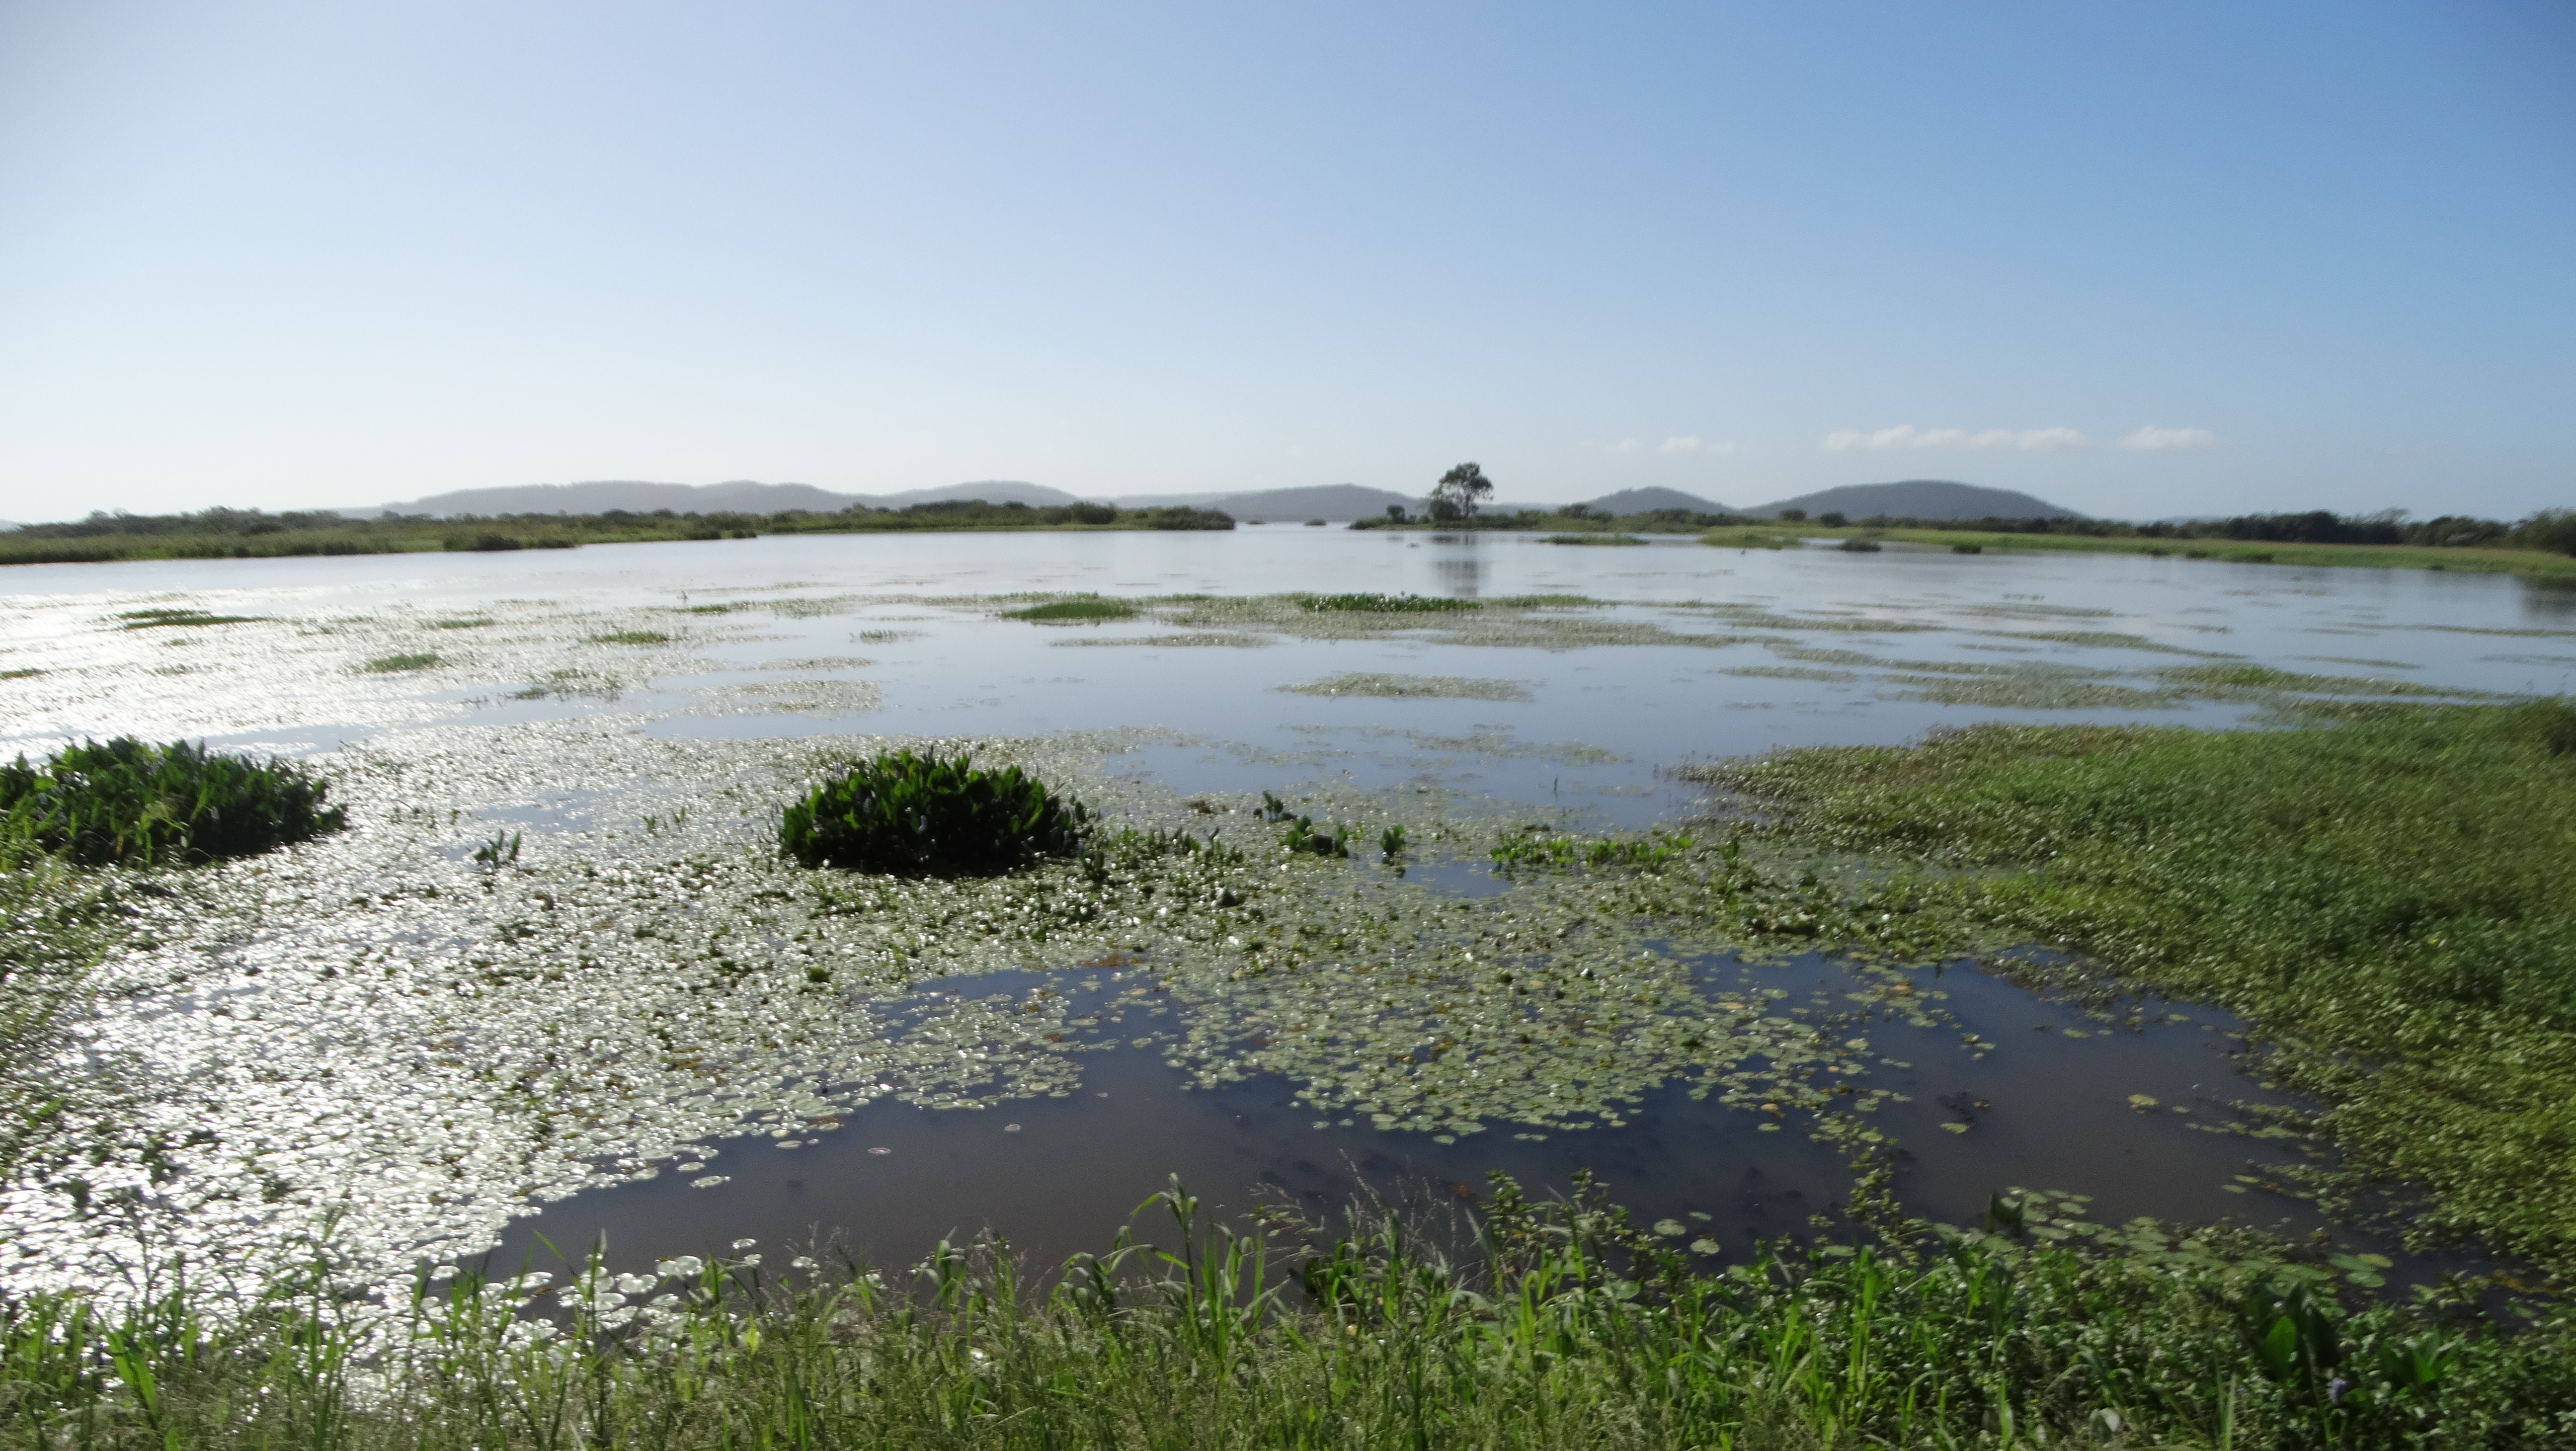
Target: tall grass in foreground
{"points": [[2389, 896], [1561, 1330]]}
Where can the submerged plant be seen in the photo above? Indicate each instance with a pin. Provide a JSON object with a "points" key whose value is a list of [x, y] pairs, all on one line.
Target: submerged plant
{"points": [[910, 814], [129, 801]]}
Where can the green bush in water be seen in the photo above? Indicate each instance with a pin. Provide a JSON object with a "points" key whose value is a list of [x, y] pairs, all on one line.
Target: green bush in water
{"points": [[917, 815], [133, 802]]}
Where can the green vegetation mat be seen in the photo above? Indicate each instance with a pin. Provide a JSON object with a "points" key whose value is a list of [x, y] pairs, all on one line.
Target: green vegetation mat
{"points": [[2388, 896]]}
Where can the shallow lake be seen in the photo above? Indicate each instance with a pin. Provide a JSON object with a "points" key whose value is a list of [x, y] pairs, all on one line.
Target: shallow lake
{"points": [[439, 1056]]}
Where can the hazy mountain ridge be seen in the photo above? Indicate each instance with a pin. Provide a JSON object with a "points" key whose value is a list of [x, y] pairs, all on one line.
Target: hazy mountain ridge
{"points": [[1339, 503], [1910, 499], [1920, 499], [1648, 501], [1323, 501]]}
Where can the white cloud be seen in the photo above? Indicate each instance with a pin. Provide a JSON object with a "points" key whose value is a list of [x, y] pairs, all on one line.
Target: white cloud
{"points": [[1693, 443], [2163, 440], [1906, 435], [1626, 445]]}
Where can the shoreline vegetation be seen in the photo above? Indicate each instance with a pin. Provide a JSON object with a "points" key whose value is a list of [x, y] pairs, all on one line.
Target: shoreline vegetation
{"points": [[1555, 1324], [2544, 544], [2387, 894], [252, 534]]}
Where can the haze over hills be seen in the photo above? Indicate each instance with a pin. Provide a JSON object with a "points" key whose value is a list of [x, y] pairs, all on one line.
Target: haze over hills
{"points": [[1912, 498], [1920, 499], [1647, 501], [742, 494], [1339, 503]]}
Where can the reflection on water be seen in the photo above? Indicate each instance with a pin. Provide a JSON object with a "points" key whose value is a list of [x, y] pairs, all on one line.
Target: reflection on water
{"points": [[2549, 599], [1460, 565]]}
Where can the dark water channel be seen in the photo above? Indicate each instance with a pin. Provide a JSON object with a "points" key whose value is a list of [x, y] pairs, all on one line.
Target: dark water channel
{"points": [[2143, 1108]]}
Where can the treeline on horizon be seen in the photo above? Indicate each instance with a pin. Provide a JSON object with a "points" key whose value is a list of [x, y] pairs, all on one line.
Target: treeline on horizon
{"points": [[2549, 529], [219, 533], [224, 533]]}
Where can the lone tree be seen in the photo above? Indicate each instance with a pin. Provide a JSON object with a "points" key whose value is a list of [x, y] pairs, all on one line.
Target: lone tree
{"points": [[1459, 492]]}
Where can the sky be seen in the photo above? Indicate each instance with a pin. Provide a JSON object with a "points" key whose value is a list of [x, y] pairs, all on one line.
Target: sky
{"points": [[2138, 259]]}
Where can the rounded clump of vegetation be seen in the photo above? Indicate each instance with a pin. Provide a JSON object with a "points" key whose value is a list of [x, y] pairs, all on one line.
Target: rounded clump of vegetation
{"points": [[917, 815], [132, 802]]}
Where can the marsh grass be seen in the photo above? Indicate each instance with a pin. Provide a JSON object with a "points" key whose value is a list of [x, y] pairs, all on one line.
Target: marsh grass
{"points": [[1383, 604], [466, 622], [631, 637], [125, 801], [1614, 540], [1084, 607], [20, 674], [928, 815], [167, 618], [1541, 1325], [2389, 897], [397, 664]]}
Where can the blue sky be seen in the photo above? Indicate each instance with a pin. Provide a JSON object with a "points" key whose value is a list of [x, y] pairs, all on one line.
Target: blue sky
{"points": [[2138, 259]]}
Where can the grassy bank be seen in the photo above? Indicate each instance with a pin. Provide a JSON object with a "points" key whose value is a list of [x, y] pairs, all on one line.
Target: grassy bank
{"points": [[2467, 559], [250, 534], [2390, 898], [1561, 1327]]}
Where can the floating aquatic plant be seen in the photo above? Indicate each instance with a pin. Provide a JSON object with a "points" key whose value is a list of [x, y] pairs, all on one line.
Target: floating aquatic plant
{"points": [[912, 814], [127, 800], [1303, 839], [1383, 604], [154, 619], [1561, 852], [1080, 607], [1412, 687]]}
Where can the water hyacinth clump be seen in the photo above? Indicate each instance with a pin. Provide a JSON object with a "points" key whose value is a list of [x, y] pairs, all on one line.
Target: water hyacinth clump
{"points": [[128, 801], [917, 815]]}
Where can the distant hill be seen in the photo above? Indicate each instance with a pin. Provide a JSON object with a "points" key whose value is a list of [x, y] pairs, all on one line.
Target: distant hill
{"points": [[1647, 501], [628, 494], [743, 495], [991, 491], [1337, 502], [1920, 499]]}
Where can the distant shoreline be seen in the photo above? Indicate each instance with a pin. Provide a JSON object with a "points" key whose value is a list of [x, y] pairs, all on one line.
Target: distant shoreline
{"points": [[231, 534]]}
